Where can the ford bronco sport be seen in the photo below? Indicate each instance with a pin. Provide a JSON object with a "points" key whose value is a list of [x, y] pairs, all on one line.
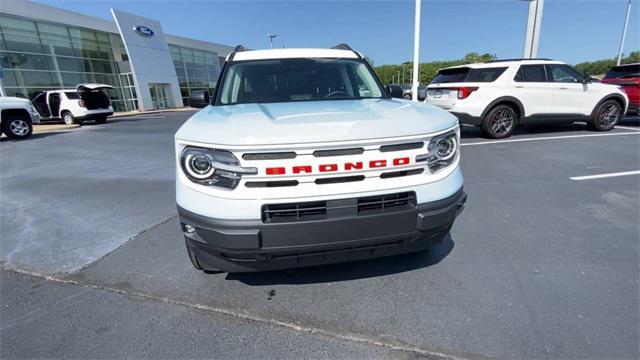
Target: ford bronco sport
{"points": [[303, 158]]}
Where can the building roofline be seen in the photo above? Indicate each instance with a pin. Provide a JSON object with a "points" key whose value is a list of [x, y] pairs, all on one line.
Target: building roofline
{"points": [[47, 13]]}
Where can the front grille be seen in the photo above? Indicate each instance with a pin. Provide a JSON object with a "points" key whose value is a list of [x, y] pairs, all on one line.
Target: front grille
{"points": [[384, 203], [339, 208], [395, 174], [338, 152], [400, 147], [306, 211], [270, 156], [340, 179], [267, 184]]}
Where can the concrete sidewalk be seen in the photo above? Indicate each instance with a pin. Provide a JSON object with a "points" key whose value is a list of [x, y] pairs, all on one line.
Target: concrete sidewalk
{"points": [[50, 127]]}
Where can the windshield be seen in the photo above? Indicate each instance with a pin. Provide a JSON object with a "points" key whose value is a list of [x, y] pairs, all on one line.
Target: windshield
{"points": [[303, 79]]}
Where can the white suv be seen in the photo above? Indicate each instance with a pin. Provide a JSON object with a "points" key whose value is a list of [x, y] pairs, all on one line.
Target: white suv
{"points": [[73, 106], [501, 94]]}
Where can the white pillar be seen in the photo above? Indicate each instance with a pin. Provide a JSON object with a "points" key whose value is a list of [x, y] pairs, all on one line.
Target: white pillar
{"points": [[624, 32], [534, 23], [416, 52]]}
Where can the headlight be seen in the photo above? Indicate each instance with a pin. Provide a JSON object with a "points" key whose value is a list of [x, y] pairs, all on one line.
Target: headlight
{"points": [[442, 151], [213, 167]]}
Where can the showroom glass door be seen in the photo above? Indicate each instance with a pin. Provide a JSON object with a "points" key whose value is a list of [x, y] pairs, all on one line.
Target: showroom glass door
{"points": [[159, 96]]}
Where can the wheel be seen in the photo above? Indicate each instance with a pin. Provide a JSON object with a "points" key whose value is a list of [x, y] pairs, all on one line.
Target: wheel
{"points": [[101, 120], [500, 122], [196, 264], [17, 127], [407, 97], [68, 118], [606, 116]]}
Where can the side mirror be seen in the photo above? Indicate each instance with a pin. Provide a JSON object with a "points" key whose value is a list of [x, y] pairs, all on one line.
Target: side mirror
{"points": [[395, 91], [199, 98]]}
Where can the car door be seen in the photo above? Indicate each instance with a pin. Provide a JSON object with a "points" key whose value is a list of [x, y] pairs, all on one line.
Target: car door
{"points": [[40, 103], [533, 90], [571, 97], [54, 104]]}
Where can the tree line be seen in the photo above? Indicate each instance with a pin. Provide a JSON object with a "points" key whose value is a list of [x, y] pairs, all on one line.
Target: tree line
{"points": [[394, 73]]}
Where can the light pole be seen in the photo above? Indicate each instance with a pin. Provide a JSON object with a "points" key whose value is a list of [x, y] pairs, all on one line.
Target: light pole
{"points": [[534, 23], [271, 36], [416, 51], [624, 32]]}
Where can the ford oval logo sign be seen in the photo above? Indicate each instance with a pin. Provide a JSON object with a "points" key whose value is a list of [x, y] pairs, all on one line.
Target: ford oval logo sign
{"points": [[143, 31]]}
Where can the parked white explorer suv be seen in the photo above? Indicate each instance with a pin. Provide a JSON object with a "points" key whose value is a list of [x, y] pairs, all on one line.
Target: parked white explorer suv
{"points": [[74, 106], [302, 158], [501, 94]]}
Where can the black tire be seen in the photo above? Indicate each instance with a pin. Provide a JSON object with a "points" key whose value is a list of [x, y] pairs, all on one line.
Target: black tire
{"points": [[605, 116], [17, 127], [196, 263], [407, 97], [68, 118], [101, 120], [500, 122]]}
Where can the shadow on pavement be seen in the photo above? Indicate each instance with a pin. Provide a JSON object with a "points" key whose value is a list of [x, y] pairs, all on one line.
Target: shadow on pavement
{"points": [[351, 270], [35, 136]]}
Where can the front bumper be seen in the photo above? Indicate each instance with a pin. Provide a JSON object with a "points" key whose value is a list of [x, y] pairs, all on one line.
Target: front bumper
{"points": [[253, 245]]}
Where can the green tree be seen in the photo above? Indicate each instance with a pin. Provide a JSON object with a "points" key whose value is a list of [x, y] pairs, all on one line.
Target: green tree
{"points": [[429, 70]]}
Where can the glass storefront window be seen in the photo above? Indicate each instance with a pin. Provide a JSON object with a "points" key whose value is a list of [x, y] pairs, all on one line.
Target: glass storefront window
{"points": [[196, 69], [10, 25], [22, 43]]}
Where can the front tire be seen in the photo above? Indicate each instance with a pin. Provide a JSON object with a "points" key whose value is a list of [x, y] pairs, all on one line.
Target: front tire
{"points": [[407, 97], [17, 127], [500, 122], [606, 116], [101, 120]]}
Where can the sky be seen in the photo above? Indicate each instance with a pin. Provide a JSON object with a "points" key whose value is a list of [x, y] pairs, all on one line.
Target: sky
{"points": [[572, 30]]}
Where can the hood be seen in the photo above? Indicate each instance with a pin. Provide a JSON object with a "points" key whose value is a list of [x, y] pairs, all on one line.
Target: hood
{"points": [[14, 100], [313, 122]]}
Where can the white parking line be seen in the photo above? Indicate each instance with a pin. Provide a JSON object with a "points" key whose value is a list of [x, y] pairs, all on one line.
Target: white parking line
{"points": [[627, 128], [548, 138], [601, 176]]}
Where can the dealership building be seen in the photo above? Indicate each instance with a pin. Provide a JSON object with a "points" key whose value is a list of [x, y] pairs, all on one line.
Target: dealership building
{"points": [[47, 48]]}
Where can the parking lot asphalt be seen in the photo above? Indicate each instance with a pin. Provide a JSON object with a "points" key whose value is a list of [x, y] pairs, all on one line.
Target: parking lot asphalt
{"points": [[538, 265]]}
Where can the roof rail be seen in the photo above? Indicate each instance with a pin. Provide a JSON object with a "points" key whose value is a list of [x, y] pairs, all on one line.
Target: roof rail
{"points": [[344, 46], [518, 59]]}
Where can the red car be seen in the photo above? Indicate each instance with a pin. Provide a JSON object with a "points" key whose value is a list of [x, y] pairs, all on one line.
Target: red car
{"points": [[628, 77]]}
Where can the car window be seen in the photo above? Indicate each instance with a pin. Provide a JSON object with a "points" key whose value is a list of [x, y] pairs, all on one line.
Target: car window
{"points": [[451, 75], [564, 74], [302, 79], [531, 73], [624, 71], [485, 74], [468, 75], [72, 95]]}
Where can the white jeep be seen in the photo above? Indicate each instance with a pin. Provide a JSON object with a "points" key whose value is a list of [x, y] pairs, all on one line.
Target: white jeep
{"points": [[17, 116], [302, 158], [498, 95], [74, 106]]}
